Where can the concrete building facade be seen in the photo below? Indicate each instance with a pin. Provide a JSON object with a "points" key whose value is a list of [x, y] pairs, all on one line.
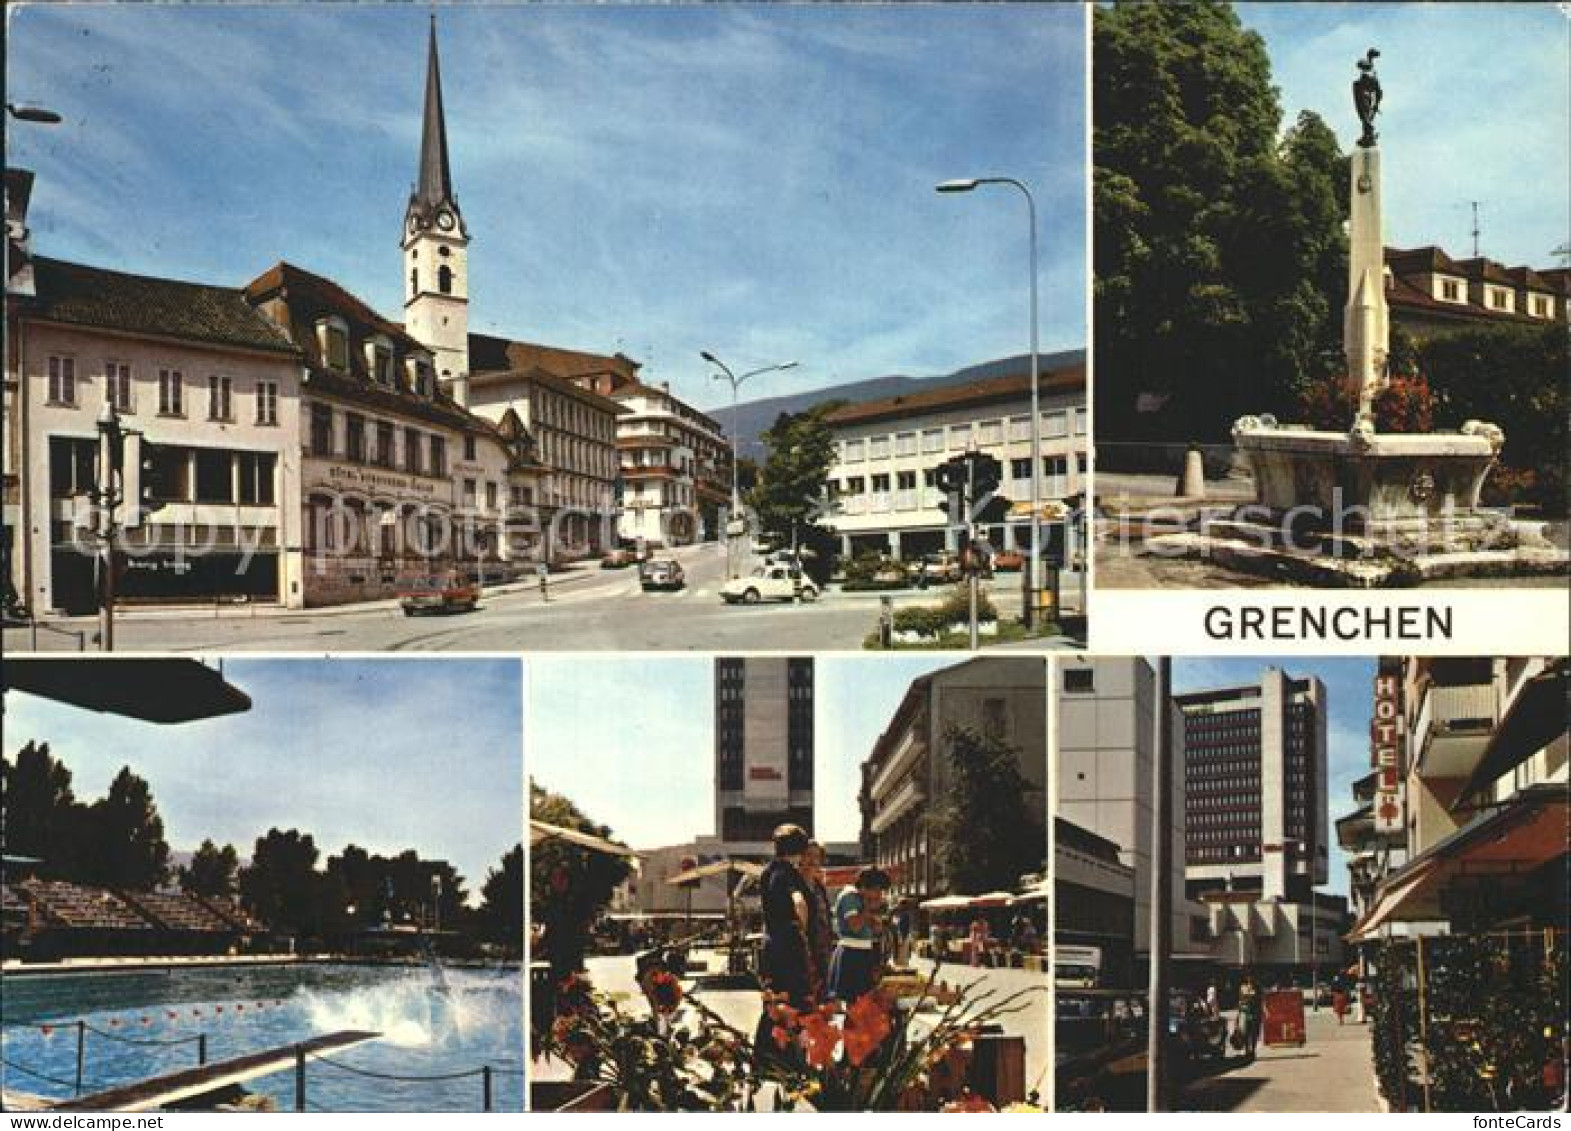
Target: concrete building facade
{"points": [[886, 452], [764, 746]]}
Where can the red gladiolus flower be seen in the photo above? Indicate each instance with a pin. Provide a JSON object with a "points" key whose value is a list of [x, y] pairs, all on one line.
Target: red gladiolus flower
{"points": [[867, 1024], [782, 1036], [819, 1037], [665, 992]]}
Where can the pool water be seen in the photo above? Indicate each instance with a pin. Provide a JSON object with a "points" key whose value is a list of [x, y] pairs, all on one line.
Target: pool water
{"points": [[431, 1025]]}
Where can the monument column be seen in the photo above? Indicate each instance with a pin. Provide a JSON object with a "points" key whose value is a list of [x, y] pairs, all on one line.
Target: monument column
{"points": [[1366, 327]]}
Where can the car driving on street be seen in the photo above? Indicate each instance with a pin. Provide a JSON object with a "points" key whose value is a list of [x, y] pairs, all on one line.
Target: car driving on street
{"points": [[444, 592], [661, 573], [769, 583]]}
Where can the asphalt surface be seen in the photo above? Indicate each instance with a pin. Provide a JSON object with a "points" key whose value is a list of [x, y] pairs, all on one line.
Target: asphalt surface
{"points": [[589, 609]]}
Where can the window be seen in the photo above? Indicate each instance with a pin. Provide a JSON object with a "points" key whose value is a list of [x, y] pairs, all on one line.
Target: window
{"points": [[412, 451], [422, 378], [171, 392], [906, 480], [878, 447], [933, 440], [1541, 308], [490, 495], [905, 444], [218, 390], [256, 477], [170, 470], [117, 385], [1079, 681], [384, 443], [1055, 424], [1450, 290], [444, 279], [354, 437], [469, 492], [469, 448], [214, 476], [1020, 469], [880, 483], [62, 380], [853, 451], [382, 365], [438, 457], [959, 437], [855, 485], [1080, 421], [72, 463], [333, 337], [1019, 428], [991, 433], [321, 430], [267, 402]]}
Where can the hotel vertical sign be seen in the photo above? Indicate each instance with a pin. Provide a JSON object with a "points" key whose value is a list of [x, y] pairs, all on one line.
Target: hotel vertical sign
{"points": [[1385, 732]]}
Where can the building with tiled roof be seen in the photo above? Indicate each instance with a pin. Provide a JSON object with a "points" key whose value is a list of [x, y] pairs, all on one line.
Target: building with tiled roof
{"points": [[1430, 293], [397, 477], [209, 384], [887, 451]]}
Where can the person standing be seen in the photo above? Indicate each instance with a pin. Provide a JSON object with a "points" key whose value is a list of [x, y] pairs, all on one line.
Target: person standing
{"points": [[1249, 1005], [1213, 1000], [783, 966], [820, 920], [859, 921]]}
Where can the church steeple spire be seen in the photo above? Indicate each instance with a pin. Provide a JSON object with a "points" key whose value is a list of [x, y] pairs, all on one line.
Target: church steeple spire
{"points": [[435, 185]]}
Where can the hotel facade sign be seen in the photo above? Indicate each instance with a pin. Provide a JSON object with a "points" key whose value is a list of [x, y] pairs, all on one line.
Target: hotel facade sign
{"points": [[1385, 732]]}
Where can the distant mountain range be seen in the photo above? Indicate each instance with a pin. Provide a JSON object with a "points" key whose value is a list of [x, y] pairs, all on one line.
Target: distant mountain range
{"points": [[753, 418]]}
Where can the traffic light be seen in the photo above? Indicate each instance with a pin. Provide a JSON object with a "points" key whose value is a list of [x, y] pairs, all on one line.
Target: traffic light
{"points": [[141, 480], [986, 474]]}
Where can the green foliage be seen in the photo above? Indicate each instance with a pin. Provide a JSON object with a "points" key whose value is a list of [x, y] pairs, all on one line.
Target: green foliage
{"points": [[1219, 252], [1491, 1023], [569, 886], [1513, 376], [395, 889], [955, 608], [43, 819], [502, 895], [790, 494], [988, 834], [212, 871], [281, 886], [126, 845]]}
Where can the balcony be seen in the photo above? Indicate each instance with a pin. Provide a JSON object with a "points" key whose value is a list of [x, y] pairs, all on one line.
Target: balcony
{"points": [[907, 797], [1453, 729]]}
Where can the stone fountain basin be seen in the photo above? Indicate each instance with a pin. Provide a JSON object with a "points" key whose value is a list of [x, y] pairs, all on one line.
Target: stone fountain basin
{"points": [[1381, 478]]}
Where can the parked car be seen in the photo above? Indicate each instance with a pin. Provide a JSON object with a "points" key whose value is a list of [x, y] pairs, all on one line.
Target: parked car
{"points": [[937, 569], [437, 593], [661, 573], [769, 583], [1009, 561], [1100, 1038], [624, 556]]}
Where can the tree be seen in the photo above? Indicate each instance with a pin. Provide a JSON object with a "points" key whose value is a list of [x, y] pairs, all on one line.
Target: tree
{"points": [[1217, 246], [212, 872], [502, 896], [42, 816], [126, 837], [281, 885], [790, 496], [988, 834], [569, 886]]}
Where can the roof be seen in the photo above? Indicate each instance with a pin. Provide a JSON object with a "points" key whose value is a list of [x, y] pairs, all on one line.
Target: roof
{"points": [[79, 295], [320, 295], [491, 354], [435, 185], [955, 396]]}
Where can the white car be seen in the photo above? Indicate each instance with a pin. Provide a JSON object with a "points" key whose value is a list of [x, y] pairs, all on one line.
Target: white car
{"points": [[769, 583]]}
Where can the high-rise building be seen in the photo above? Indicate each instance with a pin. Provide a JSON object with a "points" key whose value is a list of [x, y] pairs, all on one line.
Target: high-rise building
{"points": [[763, 746], [1255, 787]]}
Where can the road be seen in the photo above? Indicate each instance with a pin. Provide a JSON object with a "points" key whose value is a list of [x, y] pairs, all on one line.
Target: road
{"points": [[589, 609], [1331, 1072]]}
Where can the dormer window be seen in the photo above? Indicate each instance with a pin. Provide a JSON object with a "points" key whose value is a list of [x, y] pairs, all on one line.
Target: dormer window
{"points": [[1448, 290], [332, 338], [379, 361], [419, 371], [1500, 298], [1540, 306]]}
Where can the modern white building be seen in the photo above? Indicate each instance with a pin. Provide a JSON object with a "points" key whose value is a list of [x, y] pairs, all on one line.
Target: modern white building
{"points": [[675, 467], [886, 451], [1107, 719]]}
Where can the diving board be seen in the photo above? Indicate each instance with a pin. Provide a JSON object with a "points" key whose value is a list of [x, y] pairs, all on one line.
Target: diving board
{"points": [[158, 1091]]}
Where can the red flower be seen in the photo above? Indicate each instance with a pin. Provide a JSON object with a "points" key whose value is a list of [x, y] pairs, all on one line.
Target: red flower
{"points": [[866, 1026], [819, 1036], [665, 992], [782, 1036]]}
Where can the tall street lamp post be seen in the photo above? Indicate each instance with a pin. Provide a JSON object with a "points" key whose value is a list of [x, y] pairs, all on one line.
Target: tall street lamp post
{"points": [[733, 530], [1036, 416]]}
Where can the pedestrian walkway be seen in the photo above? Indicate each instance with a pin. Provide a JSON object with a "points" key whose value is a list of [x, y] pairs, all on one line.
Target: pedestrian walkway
{"points": [[1331, 1071]]}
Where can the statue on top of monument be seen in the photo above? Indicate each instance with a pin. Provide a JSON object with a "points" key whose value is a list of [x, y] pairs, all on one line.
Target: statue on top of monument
{"points": [[1366, 97]]}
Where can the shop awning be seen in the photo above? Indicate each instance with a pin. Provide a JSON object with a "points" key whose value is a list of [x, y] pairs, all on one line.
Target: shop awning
{"points": [[1517, 838], [540, 832], [153, 690], [717, 868], [1536, 718]]}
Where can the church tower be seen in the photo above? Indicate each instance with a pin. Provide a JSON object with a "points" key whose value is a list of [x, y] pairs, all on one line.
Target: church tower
{"points": [[436, 249]]}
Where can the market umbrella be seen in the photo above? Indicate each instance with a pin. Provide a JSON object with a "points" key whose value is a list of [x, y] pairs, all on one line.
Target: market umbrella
{"points": [[540, 832], [945, 903]]}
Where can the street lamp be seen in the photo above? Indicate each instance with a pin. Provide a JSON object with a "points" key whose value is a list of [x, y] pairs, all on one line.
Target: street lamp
{"points": [[1036, 416], [1314, 929], [736, 382]]}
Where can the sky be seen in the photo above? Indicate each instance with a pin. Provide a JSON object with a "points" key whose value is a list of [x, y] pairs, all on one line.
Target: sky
{"points": [[1349, 686], [752, 180], [646, 769], [1476, 106], [386, 754]]}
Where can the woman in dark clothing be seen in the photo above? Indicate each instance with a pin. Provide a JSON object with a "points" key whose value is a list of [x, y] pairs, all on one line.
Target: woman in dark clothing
{"points": [[784, 968], [820, 921]]}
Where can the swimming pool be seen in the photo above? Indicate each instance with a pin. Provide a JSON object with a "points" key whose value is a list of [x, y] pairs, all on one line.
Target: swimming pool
{"points": [[146, 1022]]}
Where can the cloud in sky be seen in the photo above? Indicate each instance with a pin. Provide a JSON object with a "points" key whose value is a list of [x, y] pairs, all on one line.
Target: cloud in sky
{"points": [[387, 754], [754, 180], [646, 768], [1349, 686], [1477, 106]]}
